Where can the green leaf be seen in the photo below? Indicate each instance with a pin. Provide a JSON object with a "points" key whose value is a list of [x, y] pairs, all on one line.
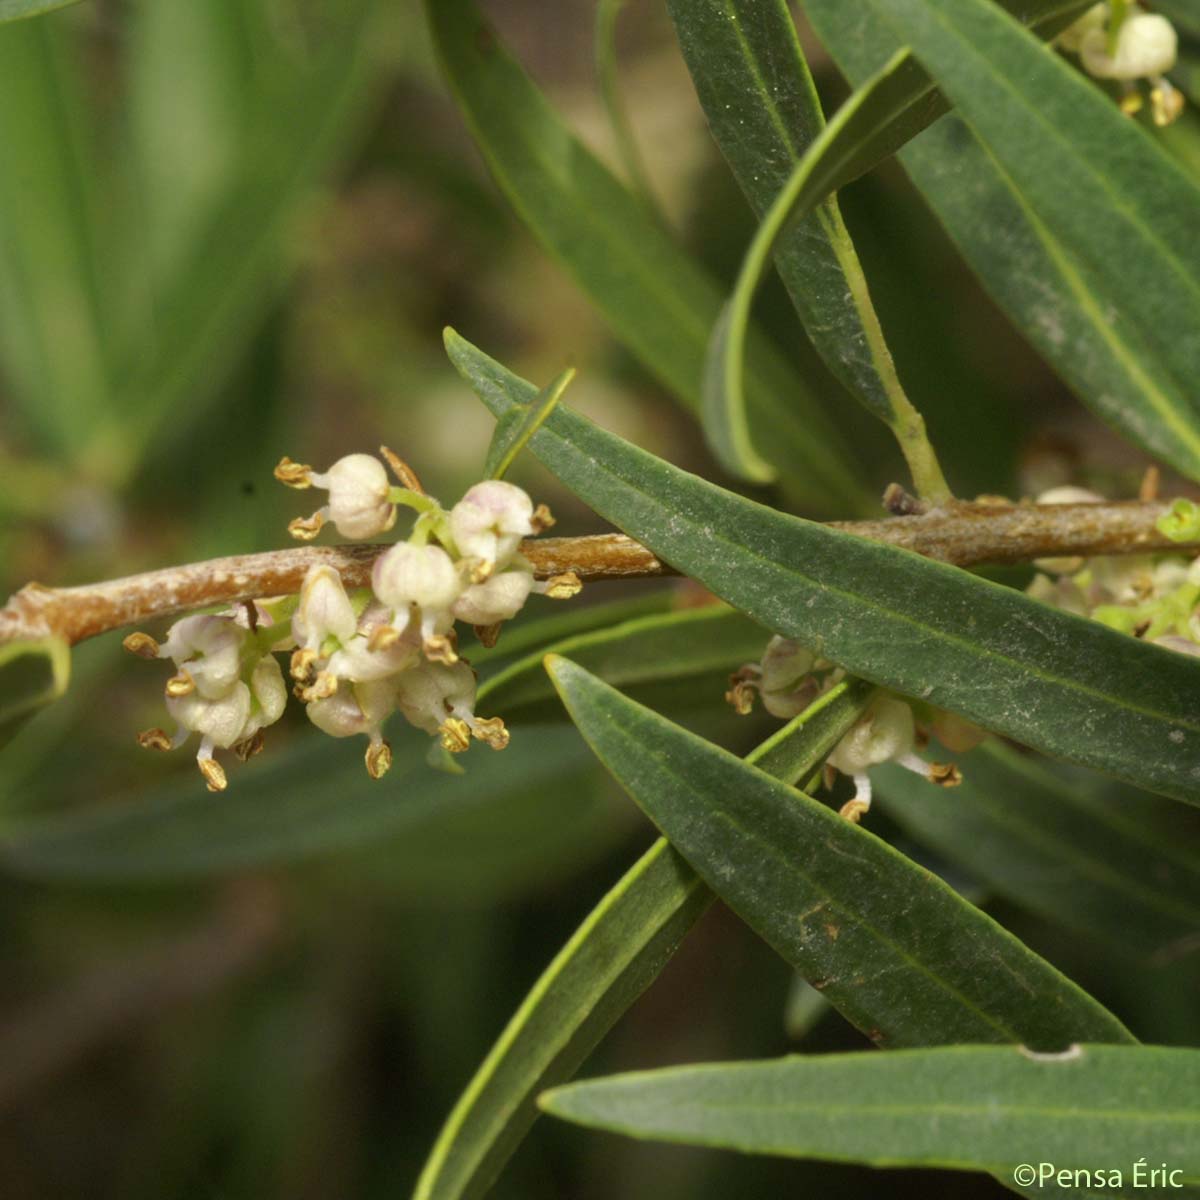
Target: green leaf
{"points": [[657, 300], [1057, 682], [299, 106], [888, 110], [892, 947], [32, 675], [54, 316], [981, 1108], [1114, 863], [673, 645], [312, 798], [518, 427], [608, 962], [762, 108], [18, 10], [1079, 224]]}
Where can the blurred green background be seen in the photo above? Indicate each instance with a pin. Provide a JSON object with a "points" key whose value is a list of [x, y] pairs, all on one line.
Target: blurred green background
{"points": [[232, 230]]}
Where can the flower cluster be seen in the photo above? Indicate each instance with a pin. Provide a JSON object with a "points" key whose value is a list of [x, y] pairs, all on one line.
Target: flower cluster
{"points": [[789, 678], [1151, 596], [356, 658], [1123, 43]]}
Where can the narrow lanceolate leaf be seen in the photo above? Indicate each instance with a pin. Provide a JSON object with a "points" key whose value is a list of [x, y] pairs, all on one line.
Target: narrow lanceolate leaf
{"points": [[613, 956], [984, 1108], [1057, 682], [891, 946], [1102, 190], [17, 10], [1114, 863], [658, 301], [757, 93], [54, 313], [674, 645], [897, 102], [312, 799], [512, 434], [32, 675]]}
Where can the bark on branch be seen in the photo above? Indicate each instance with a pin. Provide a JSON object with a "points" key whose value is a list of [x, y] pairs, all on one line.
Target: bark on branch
{"points": [[964, 534]]}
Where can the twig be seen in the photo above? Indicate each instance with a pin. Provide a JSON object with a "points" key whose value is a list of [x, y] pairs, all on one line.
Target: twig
{"points": [[964, 534]]}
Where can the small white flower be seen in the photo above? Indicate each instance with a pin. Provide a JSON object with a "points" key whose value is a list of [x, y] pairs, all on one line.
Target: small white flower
{"points": [[324, 610], [498, 598], [359, 504], [885, 733], [1147, 46], [359, 708], [491, 520], [208, 651], [268, 696], [440, 699], [408, 577]]}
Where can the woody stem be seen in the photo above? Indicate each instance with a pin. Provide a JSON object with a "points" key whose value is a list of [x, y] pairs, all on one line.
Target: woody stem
{"points": [[961, 533]]}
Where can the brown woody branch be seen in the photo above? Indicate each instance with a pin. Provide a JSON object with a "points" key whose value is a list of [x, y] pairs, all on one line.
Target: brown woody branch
{"points": [[964, 534]]}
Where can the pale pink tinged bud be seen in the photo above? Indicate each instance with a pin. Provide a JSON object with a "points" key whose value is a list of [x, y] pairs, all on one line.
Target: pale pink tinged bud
{"points": [[358, 496], [211, 647], [324, 610], [422, 575], [220, 721], [1072, 37], [490, 521], [784, 664], [497, 599], [956, 733], [884, 733], [1146, 46], [431, 692]]}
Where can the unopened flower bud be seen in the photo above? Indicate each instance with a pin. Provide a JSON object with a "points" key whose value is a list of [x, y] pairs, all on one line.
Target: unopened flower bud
{"points": [[324, 611], [490, 521], [497, 599], [358, 496], [1147, 46], [885, 732], [1072, 37]]}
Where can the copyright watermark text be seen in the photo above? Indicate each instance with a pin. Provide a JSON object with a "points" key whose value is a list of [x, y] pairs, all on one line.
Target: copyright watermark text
{"points": [[1141, 1175]]}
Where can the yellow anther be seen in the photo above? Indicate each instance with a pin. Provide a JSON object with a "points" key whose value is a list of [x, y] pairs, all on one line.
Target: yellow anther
{"points": [[456, 735], [378, 759], [542, 519], [214, 774], [321, 688], [293, 474], [250, 747], [154, 739], [945, 775], [853, 810], [1166, 103], [302, 664], [492, 731], [741, 694], [481, 570], [181, 685], [304, 529], [563, 587], [441, 649], [141, 644], [1131, 103]]}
